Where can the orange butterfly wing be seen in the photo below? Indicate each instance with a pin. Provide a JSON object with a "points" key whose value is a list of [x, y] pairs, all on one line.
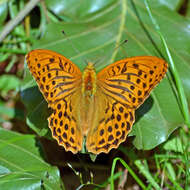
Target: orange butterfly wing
{"points": [[130, 80], [59, 80], [121, 88]]}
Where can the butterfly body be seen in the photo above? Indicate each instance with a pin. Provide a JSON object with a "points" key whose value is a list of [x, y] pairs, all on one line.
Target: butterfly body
{"points": [[89, 80], [97, 107]]}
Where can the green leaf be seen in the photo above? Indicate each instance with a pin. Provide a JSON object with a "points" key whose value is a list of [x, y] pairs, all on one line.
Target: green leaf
{"points": [[175, 145], [96, 39], [22, 165], [8, 82], [37, 106], [3, 11], [10, 112], [71, 10], [171, 4]]}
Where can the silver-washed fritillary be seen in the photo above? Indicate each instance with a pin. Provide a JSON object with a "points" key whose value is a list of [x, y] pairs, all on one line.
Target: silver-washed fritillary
{"points": [[97, 107]]}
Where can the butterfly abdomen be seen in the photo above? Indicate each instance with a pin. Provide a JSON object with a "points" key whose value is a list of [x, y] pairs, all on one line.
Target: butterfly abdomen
{"points": [[89, 81]]}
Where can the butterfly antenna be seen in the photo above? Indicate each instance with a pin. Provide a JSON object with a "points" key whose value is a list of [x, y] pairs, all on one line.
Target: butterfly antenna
{"points": [[75, 49], [122, 43], [97, 61], [118, 46]]}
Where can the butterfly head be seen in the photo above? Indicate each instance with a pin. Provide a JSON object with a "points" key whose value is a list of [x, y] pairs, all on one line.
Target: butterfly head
{"points": [[90, 66]]}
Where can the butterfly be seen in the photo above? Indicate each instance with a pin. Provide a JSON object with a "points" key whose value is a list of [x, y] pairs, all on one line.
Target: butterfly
{"points": [[97, 109]]}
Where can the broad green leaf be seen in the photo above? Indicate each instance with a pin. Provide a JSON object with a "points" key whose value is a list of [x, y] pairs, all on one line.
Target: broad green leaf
{"points": [[75, 10], [37, 110], [22, 165], [171, 4], [72, 10], [97, 38]]}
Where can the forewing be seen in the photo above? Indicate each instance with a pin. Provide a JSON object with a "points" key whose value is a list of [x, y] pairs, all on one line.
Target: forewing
{"points": [[57, 77], [130, 81]]}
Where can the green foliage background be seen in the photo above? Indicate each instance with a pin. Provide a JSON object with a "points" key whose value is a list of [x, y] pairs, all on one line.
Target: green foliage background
{"points": [[96, 29]]}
